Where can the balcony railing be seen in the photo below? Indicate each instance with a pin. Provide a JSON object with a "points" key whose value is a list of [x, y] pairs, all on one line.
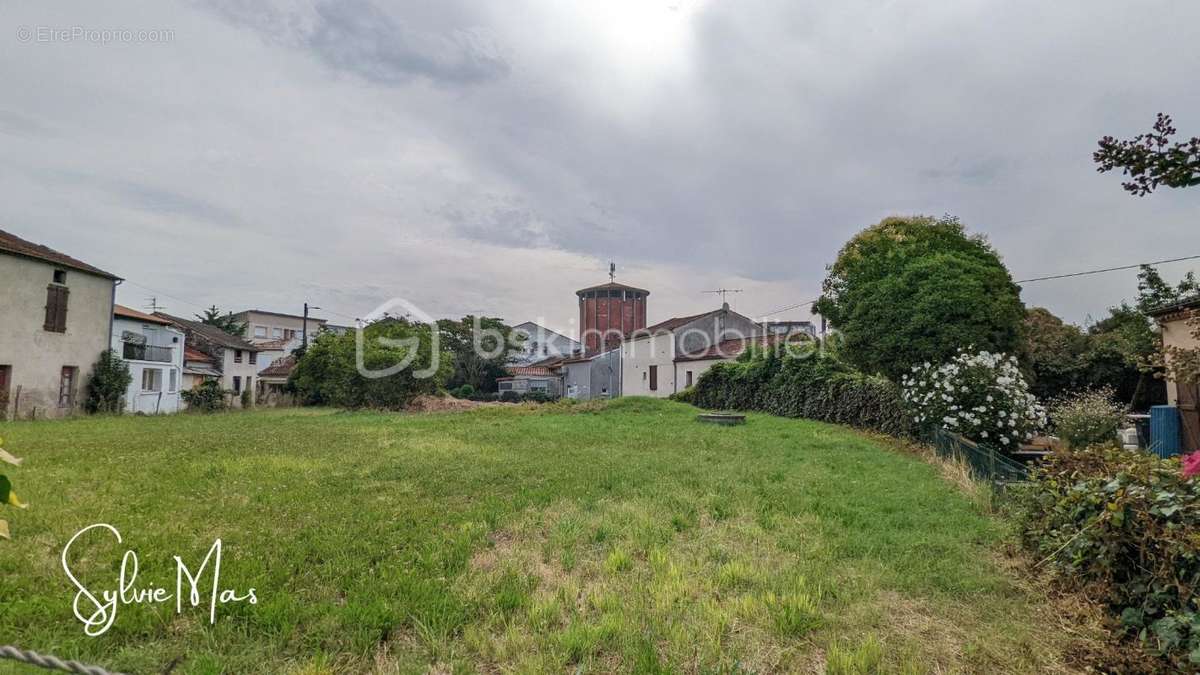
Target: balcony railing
{"points": [[136, 352]]}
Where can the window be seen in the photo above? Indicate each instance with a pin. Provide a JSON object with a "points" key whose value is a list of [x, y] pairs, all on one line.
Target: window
{"points": [[289, 333], [253, 358], [174, 381], [60, 276], [56, 309], [276, 333], [539, 385], [260, 331], [505, 386], [653, 378], [66, 387], [237, 384], [152, 379], [249, 384], [689, 379], [237, 356]]}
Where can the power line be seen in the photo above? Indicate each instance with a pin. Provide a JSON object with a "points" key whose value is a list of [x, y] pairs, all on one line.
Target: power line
{"points": [[1107, 269]]}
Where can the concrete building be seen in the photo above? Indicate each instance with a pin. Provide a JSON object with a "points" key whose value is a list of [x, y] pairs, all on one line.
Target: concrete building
{"points": [[790, 328], [648, 355], [264, 326], [593, 377], [153, 349], [56, 315], [235, 358], [1175, 321], [541, 343]]}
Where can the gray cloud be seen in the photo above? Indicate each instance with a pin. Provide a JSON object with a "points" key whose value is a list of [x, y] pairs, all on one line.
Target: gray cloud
{"points": [[495, 156], [357, 36]]}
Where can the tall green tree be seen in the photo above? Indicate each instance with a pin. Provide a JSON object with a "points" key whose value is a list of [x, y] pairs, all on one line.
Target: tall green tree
{"points": [[107, 385], [480, 350], [1152, 160], [213, 317], [916, 289]]}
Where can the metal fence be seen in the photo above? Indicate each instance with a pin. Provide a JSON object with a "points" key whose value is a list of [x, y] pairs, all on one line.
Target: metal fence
{"points": [[985, 462]]}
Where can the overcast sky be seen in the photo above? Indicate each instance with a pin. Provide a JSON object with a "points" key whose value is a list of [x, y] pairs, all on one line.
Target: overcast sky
{"points": [[493, 157]]}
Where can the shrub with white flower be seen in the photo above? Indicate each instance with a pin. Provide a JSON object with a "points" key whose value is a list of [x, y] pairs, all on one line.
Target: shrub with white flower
{"points": [[980, 395]]}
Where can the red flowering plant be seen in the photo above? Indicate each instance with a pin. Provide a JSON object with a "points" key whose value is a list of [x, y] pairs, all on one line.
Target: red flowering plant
{"points": [[1191, 464]]}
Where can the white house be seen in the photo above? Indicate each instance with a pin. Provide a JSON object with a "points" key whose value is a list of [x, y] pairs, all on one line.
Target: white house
{"points": [[153, 349], [541, 343], [648, 355]]}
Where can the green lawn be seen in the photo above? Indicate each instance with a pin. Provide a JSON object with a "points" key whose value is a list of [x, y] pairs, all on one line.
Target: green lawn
{"points": [[588, 539]]}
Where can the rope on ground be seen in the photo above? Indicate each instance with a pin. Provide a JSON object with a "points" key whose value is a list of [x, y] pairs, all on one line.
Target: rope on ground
{"points": [[50, 662]]}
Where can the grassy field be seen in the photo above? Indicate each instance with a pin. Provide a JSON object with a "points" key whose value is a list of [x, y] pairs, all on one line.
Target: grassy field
{"points": [[626, 538]]}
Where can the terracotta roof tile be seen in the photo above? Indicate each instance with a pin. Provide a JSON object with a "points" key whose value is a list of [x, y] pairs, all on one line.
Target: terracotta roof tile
{"points": [[126, 312], [11, 243], [280, 367]]}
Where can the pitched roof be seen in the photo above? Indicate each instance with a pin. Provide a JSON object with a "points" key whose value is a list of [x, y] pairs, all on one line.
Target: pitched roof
{"points": [[733, 348], [280, 367], [127, 313], [273, 345], [11, 243], [611, 286], [210, 333], [190, 354], [1187, 303], [673, 323]]}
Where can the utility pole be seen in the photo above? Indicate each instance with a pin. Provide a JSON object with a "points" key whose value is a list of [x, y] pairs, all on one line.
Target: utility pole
{"points": [[153, 305], [304, 328]]}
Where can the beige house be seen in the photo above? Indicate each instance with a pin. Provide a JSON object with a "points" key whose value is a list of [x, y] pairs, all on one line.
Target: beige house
{"points": [[56, 316], [1176, 332], [264, 326]]}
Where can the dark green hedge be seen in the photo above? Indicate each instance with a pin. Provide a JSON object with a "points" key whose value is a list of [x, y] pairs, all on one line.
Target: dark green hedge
{"points": [[803, 383]]}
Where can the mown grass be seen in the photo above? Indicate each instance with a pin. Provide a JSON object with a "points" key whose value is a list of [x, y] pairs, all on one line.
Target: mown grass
{"points": [[625, 538]]}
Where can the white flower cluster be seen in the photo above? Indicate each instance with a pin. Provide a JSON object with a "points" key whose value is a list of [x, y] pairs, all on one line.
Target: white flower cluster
{"points": [[981, 395]]}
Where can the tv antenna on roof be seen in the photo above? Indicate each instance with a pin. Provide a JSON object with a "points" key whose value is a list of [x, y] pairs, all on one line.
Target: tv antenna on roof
{"points": [[612, 272], [724, 291], [152, 305]]}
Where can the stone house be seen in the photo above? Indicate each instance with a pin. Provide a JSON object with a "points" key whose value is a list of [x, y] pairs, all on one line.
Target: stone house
{"points": [[56, 315], [648, 356]]}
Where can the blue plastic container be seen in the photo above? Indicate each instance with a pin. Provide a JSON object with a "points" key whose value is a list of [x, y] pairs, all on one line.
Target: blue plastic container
{"points": [[1164, 431]]}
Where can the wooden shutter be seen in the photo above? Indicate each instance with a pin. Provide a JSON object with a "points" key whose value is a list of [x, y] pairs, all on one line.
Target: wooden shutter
{"points": [[56, 309], [61, 318], [1189, 413], [653, 378]]}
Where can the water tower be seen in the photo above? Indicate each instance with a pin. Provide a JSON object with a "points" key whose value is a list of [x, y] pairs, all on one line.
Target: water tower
{"points": [[608, 312]]}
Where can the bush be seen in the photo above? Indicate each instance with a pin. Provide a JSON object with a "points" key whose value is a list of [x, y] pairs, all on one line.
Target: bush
{"points": [[1088, 418], [208, 397], [1125, 525], [107, 385], [510, 396], [537, 397], [247, 399], [804, 382], [465, 391], [329, 371], [982, 396]]}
